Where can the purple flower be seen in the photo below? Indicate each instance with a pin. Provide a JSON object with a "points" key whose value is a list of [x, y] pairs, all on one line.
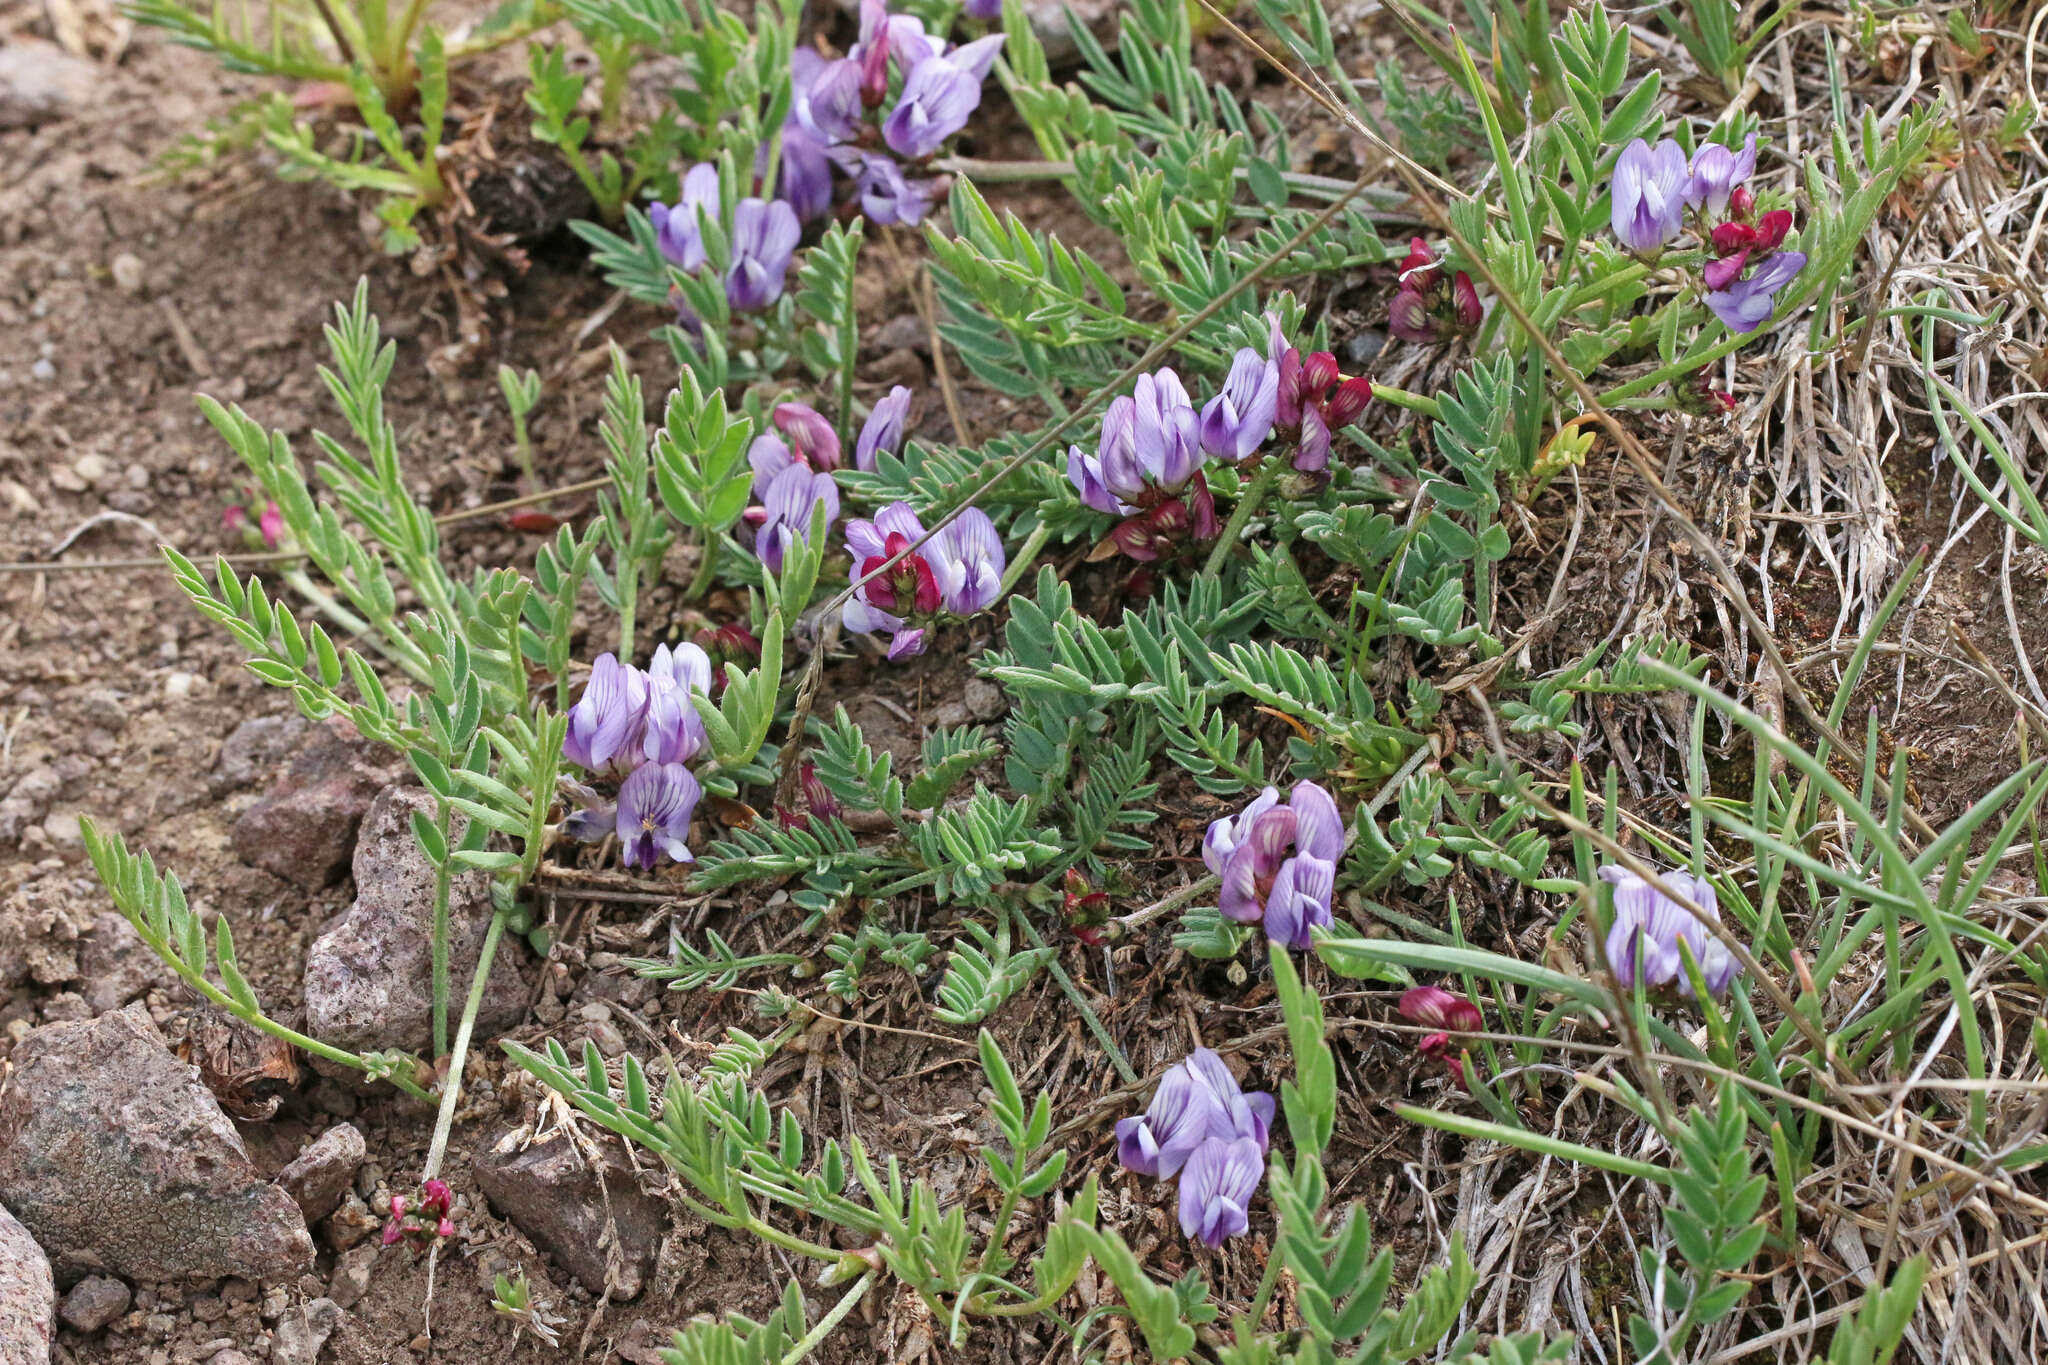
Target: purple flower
{"points": [[1279, 863], [1150, 441], [655, 806], [1642, 943], [830, 106], [675, 229], [883, 430], [1649, 195], [1182, 1115], [938, 95], [988, 11], [898, 36], [1216, 1189], [905, 586], [817, 448], [1746, 305], [805, 183], [887, 196], [791, 499], [808, 431], [764, 236], [1164, 430], [604, 724], [1238, 1115], [967, 560], [1198, 1099], [674, 733], [1085, 472], [1716, 171], [769, 455], [1239, 419]]}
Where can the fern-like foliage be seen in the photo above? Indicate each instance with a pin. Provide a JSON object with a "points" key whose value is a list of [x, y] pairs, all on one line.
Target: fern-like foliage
{"points": [[981, 975]]}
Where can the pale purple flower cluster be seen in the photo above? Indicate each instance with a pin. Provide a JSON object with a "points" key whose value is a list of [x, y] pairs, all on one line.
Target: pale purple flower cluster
{"points": [[793, 469], [1279, 863], [958, 572], [1643, 942], [762, 235], [837, 116], [642, 725], [1201, 1126], [1653, 189], [1147, 463]]}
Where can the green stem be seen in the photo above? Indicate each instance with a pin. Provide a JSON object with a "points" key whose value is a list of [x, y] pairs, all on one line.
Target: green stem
{"points": [[1025, 556], [1402, 398], [816, 1336], [1242, 513], [994, 1246], [451, 1087], [700, 581], [629, 601], [444, 877]]}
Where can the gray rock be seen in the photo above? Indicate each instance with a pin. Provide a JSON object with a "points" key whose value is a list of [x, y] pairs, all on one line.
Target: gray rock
{"points": [[549, 1193], [318, 1177], [116, 965], [29, 798], [352, 1275], [253, 748], [41, 82], [94, 1302], [302, 1331], [28, 1296], [230, 1357], [119, 1159], [370, 979], [304, 828]]}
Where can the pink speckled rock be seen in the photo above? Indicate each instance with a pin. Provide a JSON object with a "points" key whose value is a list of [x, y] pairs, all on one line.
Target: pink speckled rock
{"points": [[116, 1157], [28, 1296], [370, 979]]}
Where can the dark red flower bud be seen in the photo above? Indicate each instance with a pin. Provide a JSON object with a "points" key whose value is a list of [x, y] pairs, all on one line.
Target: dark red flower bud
{"points": [[533, 522], [1408, 317], [1771, 229], [1466, 300], [444, 1228], [1439, 1008], [1348, 402], [1730, 238], [1202, 523], [1318, 372], [1742, 203], [874, 71], [435, 1197], [816, 795], [1418, 269]]}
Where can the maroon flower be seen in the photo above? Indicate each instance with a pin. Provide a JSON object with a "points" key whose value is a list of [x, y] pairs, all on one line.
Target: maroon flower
{"points": [[1437, 1008], [1428, 307]]}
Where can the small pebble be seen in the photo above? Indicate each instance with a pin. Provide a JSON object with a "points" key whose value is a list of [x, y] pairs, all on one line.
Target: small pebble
{"points": [[90, 467], [94, 1302], [178, 686], [129, 273], [43, 371]]}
